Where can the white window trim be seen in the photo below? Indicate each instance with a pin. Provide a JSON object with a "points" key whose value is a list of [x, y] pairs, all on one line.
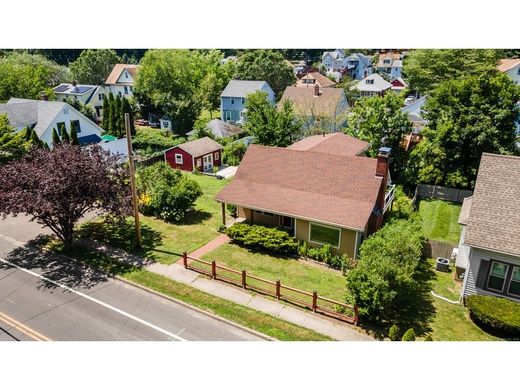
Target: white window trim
{"points": [[511, 280], [505, 277], [324, 243], [217, 156], [177, 155]]}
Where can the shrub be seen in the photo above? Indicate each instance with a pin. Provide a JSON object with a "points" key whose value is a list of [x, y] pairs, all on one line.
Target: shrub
{"points": [[385, 277], [499, 315], [393, 333], [165, 193], [324, 254], [234, 152], [262, 237], [409, 335], [149, 141]]}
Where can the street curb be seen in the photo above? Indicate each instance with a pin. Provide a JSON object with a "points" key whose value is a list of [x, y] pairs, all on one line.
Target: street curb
{"points": [[195, 308]]}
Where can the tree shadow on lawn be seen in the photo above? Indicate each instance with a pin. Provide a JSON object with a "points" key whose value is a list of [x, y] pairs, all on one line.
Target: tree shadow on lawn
{"points": [[194, 217], [53, 266], [121, 234], [416, 310]]}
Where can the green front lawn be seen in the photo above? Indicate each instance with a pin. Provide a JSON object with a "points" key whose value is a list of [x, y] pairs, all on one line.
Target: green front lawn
{"points": [[439, 220], [162, 241], [299, 274], [451, 322]]}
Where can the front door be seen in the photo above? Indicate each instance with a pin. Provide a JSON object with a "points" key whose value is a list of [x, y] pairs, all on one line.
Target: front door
{"points": [[208, 162]]}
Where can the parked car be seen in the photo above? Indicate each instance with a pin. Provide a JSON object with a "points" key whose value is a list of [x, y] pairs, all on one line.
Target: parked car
{"points": [[154, 125], [409, 100], [141, 122]]}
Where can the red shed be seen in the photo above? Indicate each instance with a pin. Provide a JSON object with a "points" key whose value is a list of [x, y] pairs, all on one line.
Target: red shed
{"points": [[201, 154]]}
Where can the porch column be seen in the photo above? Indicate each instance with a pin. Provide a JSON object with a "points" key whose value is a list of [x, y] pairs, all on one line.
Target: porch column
{"points": [[223, 214]]}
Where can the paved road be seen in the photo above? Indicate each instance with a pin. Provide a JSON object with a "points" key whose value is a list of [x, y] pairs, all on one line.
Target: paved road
{"points": [[48, 299]]}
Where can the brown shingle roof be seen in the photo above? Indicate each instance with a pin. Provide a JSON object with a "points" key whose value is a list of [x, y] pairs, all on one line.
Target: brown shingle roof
{"points": [[507, 63], [494, 218], [305, 103], [338, 190], [333, 143], [199, 146], [321, 80], [118, 69]]}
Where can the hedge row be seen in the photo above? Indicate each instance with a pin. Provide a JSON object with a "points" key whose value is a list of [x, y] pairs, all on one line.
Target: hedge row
{"points": [[263, 238], [500, 315]]}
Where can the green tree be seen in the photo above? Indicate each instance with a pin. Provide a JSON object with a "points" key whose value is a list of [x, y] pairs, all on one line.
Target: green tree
{"points": [[384, 284], [119, 124], [466, 117], [112, 115], [425, 69], [12, 144], [380, 122], [93, 66], [65, 138], [73, 134], [269, 126], [268, 65], [126, 108], [169, 83], [23, 75], [56, 140], [106, 114]]}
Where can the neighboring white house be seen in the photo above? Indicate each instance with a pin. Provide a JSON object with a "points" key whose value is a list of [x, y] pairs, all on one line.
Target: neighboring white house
{"points": [[121, 80], [337, 64], [89, 95], [118, 147], [43, 116], [489, 249], [391, 64], [333, 61], [372, 85], [511, 67], [233, 98]]}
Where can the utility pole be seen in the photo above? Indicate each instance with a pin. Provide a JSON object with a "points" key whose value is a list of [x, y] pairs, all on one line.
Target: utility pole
{"points": [[139, 243]]}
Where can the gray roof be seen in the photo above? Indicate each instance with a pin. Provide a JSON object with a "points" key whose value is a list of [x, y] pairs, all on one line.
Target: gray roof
{"points": [[464, 211], [220, 129], [199, 146], [241, 88], [415, 108], [334, 54], [78, 89], [26, 112], [380, 84], [494, 217], [359, 56]]}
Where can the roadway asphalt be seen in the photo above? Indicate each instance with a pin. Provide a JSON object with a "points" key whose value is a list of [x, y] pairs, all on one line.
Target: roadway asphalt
{"points": [[50, 299]]}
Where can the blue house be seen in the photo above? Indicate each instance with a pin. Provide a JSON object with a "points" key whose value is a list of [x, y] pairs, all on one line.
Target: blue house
{"points": [[233, 98], [358, 66]]}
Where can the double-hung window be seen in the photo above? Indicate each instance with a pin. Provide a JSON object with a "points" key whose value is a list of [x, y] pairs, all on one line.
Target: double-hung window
{"points": [[497, 276], [178, 158], [514, 284]]}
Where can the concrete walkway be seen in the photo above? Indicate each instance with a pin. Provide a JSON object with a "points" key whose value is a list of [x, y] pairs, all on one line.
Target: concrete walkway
{"points": [[333, 328]]}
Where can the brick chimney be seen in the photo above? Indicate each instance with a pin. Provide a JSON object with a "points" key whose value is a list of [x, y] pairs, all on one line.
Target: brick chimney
{"points": [[316, 90], [383, 163]]}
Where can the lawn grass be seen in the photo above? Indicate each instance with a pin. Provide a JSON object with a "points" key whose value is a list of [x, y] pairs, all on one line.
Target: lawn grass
{"points": [[299, 274], [264, 323], [439, 220], [162, 241], [451, 321]]}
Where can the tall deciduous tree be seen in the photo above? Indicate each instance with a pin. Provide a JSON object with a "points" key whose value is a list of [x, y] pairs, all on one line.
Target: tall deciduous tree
{"points": [[24, 75], [12, 145], [269, 126], [57, 187], [93, 66], [425, 69], [268, 65], [467, 117], [380, 122]]}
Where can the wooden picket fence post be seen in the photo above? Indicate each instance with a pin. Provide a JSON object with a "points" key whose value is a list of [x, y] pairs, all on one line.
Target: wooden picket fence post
{"points": [[185, 259], [244, 284], [356, 315], [213, 269], [314, 301], [278, 289]]}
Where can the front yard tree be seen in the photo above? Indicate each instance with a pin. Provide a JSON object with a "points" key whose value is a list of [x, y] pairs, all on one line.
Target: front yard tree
{"points": [[73, 134], [12, 145], [93, 66], [466, 117], [126, 108], [57, 187], [380, 122], [106, 113], [55, 137], [268, 65], [268, 125]]}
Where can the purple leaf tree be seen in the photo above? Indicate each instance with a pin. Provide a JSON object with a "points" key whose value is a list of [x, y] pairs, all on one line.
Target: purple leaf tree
{"points": [[57, 187]]}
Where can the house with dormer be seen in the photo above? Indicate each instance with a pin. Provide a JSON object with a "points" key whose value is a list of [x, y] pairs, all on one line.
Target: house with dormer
{"points": [[121, 80]]}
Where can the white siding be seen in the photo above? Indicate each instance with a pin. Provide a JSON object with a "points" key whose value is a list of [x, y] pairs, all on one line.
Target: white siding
{"points": [[463, 255], [514, 75]]}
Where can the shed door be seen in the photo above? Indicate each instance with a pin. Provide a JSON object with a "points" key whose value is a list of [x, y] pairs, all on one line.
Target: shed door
{"points": [[208, 162]]}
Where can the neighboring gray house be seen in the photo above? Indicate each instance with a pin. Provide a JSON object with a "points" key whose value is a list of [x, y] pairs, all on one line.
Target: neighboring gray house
{"points": [[233, 98], [489, 249], [220, 129], [333, 61], [372, 85], [43, 116], [415, 114], [89, 95], [358, 66]]}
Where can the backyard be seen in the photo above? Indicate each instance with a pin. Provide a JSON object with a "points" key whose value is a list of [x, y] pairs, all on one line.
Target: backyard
{"points": [[439, 219]]}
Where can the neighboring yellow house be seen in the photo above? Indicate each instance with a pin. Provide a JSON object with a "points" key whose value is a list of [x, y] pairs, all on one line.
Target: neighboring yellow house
{"points": [[319, 189]]}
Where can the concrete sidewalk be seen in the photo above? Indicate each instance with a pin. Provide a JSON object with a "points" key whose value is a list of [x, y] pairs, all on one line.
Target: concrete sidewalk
{"points": [[333, 328]]}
